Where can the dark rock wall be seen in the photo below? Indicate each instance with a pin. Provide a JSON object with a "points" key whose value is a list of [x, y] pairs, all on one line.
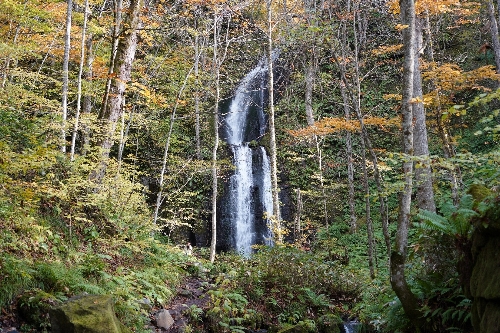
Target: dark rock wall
{"points": [[485, 275]]}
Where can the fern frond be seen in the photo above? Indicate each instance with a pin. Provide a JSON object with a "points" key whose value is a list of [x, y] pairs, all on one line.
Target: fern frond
{"points": [[433, 221], [467, 201]]}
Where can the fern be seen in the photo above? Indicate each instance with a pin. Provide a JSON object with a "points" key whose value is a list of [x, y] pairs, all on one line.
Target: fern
{"points": [[433, 221], [455, 221]]}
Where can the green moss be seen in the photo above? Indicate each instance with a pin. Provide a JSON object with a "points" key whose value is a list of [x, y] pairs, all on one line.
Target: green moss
{"points": [[90, 314], [34, 307], [306, 326], [329, 323], [479, 193]]}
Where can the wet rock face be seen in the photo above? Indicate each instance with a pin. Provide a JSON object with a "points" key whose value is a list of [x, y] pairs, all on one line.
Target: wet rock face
{"points": [[485, 277], [86, 314]]}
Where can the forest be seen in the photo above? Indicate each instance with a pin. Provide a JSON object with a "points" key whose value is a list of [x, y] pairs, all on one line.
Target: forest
{"points": [[251, 166]]}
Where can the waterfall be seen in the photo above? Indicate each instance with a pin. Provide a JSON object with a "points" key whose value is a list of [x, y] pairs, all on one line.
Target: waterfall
{"points": [[248, 193], [351, 326]]}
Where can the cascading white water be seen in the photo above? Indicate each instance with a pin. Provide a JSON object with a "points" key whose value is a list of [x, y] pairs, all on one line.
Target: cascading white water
{"points": [[266, 193], [241, 199], [249, 190], [351, 326]]}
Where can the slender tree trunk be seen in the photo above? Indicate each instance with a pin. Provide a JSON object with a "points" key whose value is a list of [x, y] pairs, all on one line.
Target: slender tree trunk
{"points": [[87, 99], [216, 62], [298, 212], [319, 153], [197, 91], [159, 195], [67, 46], [272, 132], [347, 112], [448, 153], [7, 61], [369, 223], [310, 73], [495, 43], [80, 73], [218, 59], [111, 112], [117, 26], [354, 90], [121, 142], [350, 167], [378, 182], [423, 172], [357, 108], [309, 84], [399, 253]]}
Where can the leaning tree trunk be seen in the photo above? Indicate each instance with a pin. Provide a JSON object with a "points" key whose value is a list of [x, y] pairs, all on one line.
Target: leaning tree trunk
{"points": [[159, 195], [122, 68], [399, 254]]}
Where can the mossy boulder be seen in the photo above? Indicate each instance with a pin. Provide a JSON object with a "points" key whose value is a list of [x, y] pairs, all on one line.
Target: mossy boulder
{"points": [[329, 323], [86, 314], [485, 276], [306, 326], [34, 307]]}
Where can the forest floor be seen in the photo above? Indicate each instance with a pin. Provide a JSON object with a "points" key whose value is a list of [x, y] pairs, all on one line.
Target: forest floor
{"points": [[191, 297]]}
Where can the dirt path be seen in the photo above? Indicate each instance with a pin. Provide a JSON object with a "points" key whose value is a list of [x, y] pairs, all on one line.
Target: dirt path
{"points": [[191, 296]]}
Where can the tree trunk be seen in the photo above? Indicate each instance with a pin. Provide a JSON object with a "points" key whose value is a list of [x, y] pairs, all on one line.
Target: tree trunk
{"points": [[118, 8], [309, 84], [122, 68], [297, 230], [354, 93], [399, 253], [495, 43], [67, 46], [423, 172], [213, 242], [448, 152], [197, 91], [159, 195], [7, 61], [347, 113], [350, 168], [80, 73], [272, 142], [87, 99], [357, 107], [310, 73], [369, 224]]}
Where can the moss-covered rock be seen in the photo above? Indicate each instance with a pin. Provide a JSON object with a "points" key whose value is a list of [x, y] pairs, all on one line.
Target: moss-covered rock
{"points": [[34, 307], [306, 326], [485, 276], [485, 280], [86, 314], [329, 323]]}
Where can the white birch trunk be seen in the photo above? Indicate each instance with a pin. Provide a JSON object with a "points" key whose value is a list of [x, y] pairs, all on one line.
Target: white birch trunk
{"points": [[272, 132], [80, 73], [67, 46]]}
